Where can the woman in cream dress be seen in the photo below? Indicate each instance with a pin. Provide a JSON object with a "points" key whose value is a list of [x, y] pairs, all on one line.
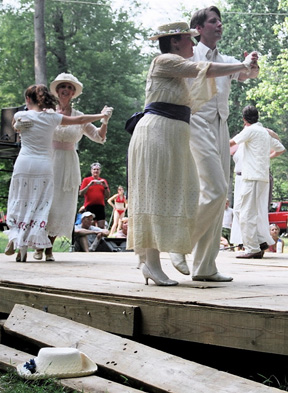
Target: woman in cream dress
{"points": [[162, 176], [66, 168]]}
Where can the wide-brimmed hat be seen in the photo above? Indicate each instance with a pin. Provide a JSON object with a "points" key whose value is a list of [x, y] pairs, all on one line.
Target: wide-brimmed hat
{"points": [[66, 78], [173, 29], [57, 363]]}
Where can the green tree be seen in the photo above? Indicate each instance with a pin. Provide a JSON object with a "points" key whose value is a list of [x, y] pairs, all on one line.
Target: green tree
{"points": [[102, 48]]}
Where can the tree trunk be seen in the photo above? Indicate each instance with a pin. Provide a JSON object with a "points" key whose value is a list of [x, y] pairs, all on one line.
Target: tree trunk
{"points": [[40, 43]]}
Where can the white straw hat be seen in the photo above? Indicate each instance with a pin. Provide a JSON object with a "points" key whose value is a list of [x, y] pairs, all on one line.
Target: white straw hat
{"points": [[57, 363], [173, 29], [69, 78]]}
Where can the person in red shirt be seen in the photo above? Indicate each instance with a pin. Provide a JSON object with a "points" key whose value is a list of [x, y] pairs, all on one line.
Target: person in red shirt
{"points": [[95, 190]]}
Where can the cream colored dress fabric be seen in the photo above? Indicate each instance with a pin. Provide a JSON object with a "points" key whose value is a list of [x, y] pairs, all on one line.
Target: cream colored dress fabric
{"points": [[67, 176], [163, 180]]}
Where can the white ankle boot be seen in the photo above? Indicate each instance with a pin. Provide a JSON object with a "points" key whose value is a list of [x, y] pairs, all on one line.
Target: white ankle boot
{"points": [[179, 262]]}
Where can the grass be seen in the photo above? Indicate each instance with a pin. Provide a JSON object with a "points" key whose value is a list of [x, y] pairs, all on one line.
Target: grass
{"points": [[61, 244], [10, 382]]}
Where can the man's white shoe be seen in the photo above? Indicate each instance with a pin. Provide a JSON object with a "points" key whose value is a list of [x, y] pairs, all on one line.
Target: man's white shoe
{"points": [[179, 262], [215, 277]]}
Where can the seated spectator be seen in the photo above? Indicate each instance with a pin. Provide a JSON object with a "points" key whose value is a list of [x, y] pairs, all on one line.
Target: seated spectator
{"points": [[88, 236], [122, 232], [275, 232]]}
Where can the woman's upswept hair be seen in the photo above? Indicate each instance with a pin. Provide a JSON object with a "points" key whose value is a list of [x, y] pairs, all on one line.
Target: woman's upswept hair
{"points": [[40, 95]]}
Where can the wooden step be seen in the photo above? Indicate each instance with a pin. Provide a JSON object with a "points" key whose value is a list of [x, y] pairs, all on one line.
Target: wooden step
{"points": [[154, 370]]}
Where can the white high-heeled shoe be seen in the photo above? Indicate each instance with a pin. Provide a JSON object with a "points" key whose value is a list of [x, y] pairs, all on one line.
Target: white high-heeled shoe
{"points": [[179, 262], [38, 254], [9, 249], [160, 282], [22, 254]]}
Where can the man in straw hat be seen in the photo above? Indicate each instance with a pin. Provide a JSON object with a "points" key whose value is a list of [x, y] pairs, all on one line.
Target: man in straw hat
{"points": [[162, 176], [210, 146]]}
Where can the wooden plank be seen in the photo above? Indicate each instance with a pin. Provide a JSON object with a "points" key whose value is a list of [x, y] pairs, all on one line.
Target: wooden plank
{"points": [[221, 325], [242, 314], [153, 369], [261, 331], [10, 358], [1, 327], [93, 384], [114, 317]]}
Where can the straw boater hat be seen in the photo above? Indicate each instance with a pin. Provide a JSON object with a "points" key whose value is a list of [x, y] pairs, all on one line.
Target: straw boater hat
{"points": [[57, 363], [62, 78], [173, 29]]}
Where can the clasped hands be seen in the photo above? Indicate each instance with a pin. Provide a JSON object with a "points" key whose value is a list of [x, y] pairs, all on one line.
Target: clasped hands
{"points": [[107, 111], [250, 61]]}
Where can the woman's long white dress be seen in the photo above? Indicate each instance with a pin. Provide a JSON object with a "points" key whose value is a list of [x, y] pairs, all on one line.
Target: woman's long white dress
{"points": [[162, 175], [67, 176], [31, 187]]}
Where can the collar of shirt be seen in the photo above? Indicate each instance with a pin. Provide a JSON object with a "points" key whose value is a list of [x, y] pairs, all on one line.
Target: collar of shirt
{"points": [[207, 52]]}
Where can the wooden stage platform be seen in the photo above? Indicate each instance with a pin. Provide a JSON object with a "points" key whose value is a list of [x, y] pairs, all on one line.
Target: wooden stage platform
{"points": [[107, 291]]}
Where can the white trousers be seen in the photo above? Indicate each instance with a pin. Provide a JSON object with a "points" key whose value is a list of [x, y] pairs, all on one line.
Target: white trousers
{"points": [[236, 237], [253, 216], [210, 148]]}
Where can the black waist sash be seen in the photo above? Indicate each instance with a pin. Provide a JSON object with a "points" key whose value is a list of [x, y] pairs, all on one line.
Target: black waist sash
{"points": [[172, 111]]}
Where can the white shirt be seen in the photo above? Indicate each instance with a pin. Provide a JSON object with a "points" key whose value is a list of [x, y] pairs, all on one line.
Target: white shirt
{"points": [[238, 158], [256, 151], [219, 103], [227, 218]]}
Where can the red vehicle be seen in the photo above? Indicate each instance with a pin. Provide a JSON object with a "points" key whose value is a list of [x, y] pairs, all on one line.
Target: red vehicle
{"points": [[278, 214]]}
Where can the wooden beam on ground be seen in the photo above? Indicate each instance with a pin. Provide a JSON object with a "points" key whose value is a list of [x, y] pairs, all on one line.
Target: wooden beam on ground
{"points": [[115, 318], [156, 371], [10, 358]]}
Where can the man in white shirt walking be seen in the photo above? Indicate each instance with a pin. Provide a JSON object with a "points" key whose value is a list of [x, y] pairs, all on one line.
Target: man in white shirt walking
{"points": [[253, 216]]}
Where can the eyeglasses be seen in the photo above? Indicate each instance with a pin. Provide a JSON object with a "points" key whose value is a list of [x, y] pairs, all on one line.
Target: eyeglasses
{"points": [[63, 86]]}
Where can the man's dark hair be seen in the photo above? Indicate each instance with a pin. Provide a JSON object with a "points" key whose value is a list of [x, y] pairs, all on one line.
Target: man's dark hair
{"points": [[250, 114], [200, 16], [165, 42]]}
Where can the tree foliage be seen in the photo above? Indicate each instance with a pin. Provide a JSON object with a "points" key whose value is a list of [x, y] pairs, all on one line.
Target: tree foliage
{"points": [[102, 48]]}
